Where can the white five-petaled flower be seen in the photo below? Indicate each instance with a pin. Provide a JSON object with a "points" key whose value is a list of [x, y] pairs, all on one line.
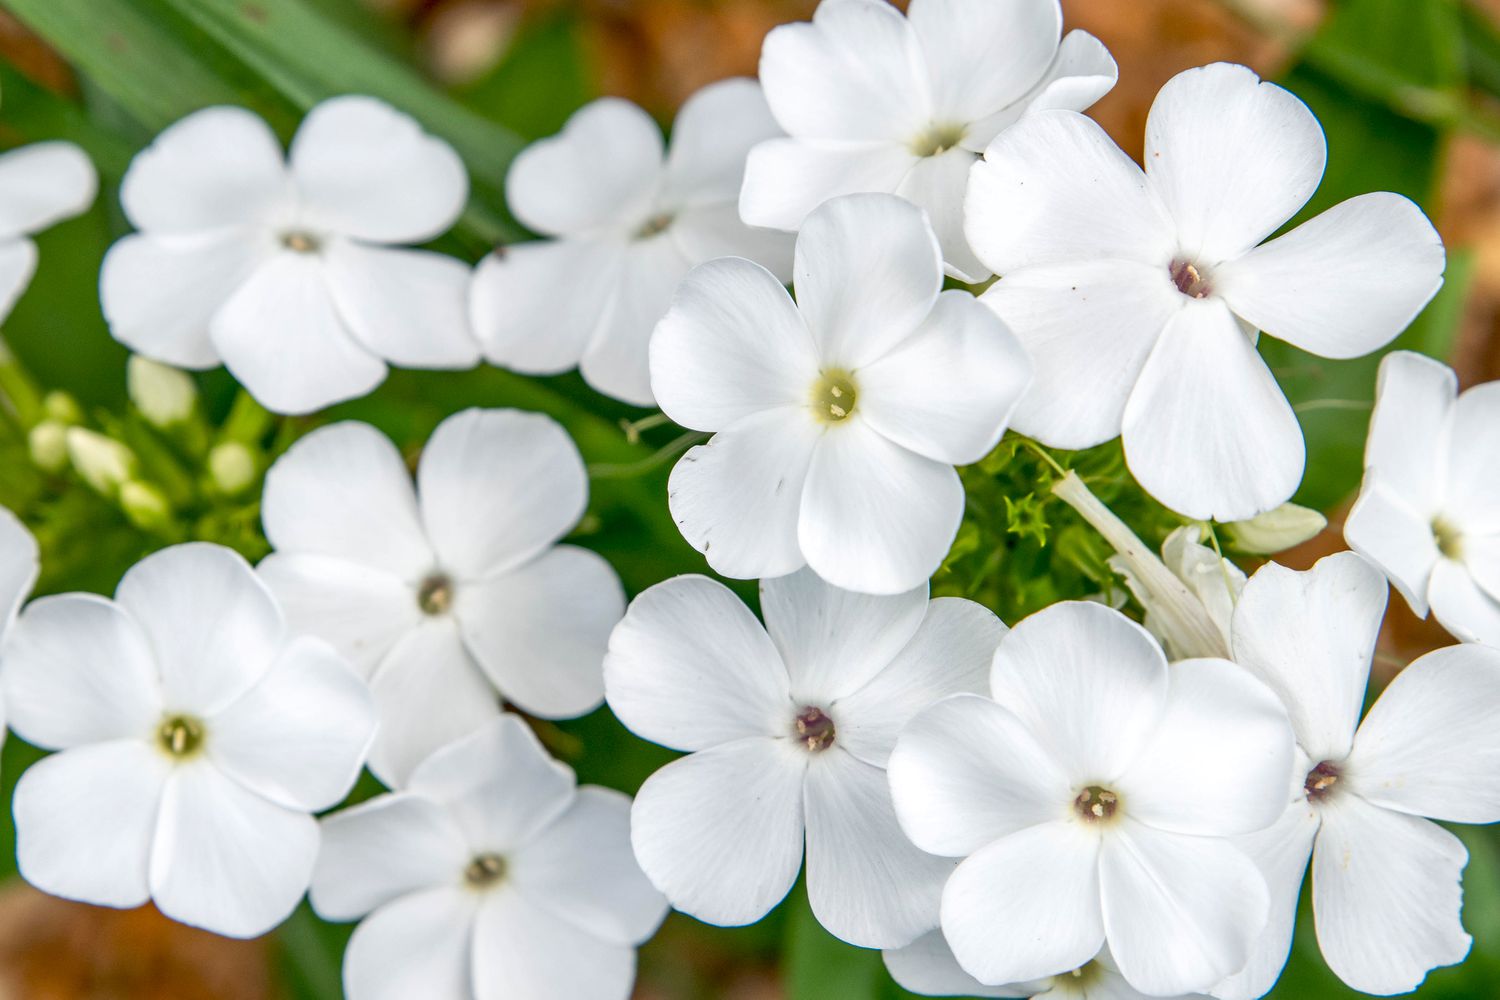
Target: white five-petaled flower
{"points": [[1093, 798], [1139, 294], [625, 220], [491, 876], [288, 270], [1386, 892], [874, 101], [788, 729], [196, 739], [40, 185], [443, 594], [1428, 513], [839, 417]]}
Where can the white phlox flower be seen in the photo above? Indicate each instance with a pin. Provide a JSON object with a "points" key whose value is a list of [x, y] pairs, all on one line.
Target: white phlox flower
{"points": [[624, 220], [289, 270], [1139, 294], [838, 417], [490, 876], [875, 101], [40, 185], [787, 730], [196, 739], [448, 593], [1212, 580], [1094, 797], [1428, 513], [1385, 881]]}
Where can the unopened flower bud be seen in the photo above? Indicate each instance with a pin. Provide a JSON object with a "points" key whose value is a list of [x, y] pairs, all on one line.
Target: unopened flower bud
{"points": [[62, 407], [48, 442], [104, 463], [145, 505], [164, 395], [1276, 530], [232, 467]]}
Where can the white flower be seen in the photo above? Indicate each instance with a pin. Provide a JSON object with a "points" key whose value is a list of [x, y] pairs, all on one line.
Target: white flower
{"points": [[1213, 581], [1139, 294], [1428, 513], [626, 222], [838, 417], [287, 270], [443, 594], [788, 729], [40, 185], [1093, 799], [491, 876], [874, 101], [19, 566], [196, 739], [1386, 890]]}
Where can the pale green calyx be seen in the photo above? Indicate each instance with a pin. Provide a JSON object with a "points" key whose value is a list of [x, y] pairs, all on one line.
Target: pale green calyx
{"points": [[1275, 530]]}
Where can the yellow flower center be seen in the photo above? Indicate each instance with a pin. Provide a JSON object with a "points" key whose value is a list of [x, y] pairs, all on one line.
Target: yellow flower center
{"points": [[180, 736], [833, 396]]}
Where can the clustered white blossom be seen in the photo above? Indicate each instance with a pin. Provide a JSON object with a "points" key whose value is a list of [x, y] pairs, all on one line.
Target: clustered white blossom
{"points": [[1076, 806]]}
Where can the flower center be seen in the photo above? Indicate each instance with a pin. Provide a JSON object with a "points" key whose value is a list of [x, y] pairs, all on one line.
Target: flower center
{"points": [[1096, 805], [1450, 541], [654, 226], [938, 140], [814, 728], [300, 241], [1190, 281], [485, 871], [435, 595], [833, 396], [180, 736], [1321, 781]]}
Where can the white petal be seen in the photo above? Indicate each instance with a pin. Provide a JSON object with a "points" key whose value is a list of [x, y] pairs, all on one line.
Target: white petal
{"points": [[1414, 401], [360, 610], [868, 271], [497, 487], [1181, 912], [875, 517], [213, 625], [1386, 895], [539, 632], [20, 562], [419, 945], [1082, 71], [409, 307], [833, 641], [42, 184], [281, 335], [1089, 683], [1463, 608], [428, 692], [983, 55], [950, 653], [226, 859], [1428, 746], [737, 498], [364, 169], [1026, 906], [1232, 158], [1231, 726], [217, 167], [719, 832], [1473, 473], [1310, 637], [855, 72], [732, 345], [1088, 327], [1054, 188], [939, 184], [948, 390], [343, 491], [689, 667], [706, 232], [714, 131], [17, 266], [79, 670], [160, 293], [581, 870], [867, 883], [381, 850], [85, 819], [523, 950], [529, 308], [602, 169], [1387, 530], [617, 361], [1185, 424], [966, 772], [299, 737], [785, 179], [927, 967]]}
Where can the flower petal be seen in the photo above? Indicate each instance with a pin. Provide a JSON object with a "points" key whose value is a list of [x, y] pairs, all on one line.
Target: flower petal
{"points": [[966, 772], [418, 945], [42, 184], [364, 169], [1463, 608], [689, 667], [938, 184], [719, 832], [17, 267], [785, 179], [524, 950], [496, 488], [1414, 403], [732, 345], [1081, 72], [927, 967], [714, 130], [409, 307], [382, 850], [1231, 158], [617, 360], [85, 819], [1184, 425], [706, 232], [343, 491], [1384, 528], [360, 610], [982, 55], [20, 563], [1386, 895], [1473, 473], [1027, 905]]}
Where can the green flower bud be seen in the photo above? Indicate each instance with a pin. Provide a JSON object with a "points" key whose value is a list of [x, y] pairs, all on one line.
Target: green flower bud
{"points": [[104, 463], [62, 407], [164, 395], [1276, 530], [48, 442], [232, 467], [145, 506]]}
